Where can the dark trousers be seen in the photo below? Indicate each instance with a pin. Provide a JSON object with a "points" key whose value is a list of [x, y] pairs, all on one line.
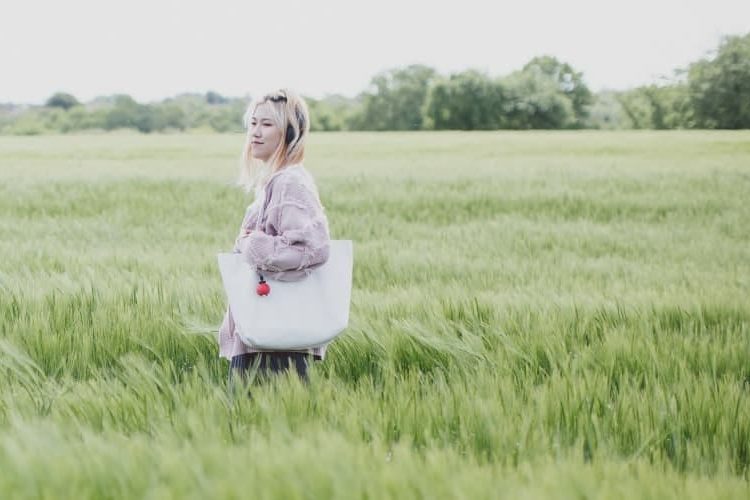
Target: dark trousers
{"points": [[265, 364]]}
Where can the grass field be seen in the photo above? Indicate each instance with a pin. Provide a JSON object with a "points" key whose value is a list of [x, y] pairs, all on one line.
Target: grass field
{"points": [[534, 315]]}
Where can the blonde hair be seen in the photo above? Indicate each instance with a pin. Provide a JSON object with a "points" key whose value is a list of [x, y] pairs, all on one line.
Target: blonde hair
{"points": [[288, 112]]}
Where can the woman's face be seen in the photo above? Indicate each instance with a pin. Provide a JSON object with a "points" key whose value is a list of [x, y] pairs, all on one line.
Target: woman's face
{"points": [[264, 133]]}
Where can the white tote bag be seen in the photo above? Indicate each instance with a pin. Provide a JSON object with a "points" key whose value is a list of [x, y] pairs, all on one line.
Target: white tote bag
{"points": [[295, 314]]}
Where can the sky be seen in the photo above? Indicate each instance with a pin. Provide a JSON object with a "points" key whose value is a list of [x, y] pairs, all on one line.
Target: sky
{"points": [[152, 49]]}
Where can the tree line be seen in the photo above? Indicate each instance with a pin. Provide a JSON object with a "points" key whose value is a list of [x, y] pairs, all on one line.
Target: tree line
{"points": [[545, 93]]}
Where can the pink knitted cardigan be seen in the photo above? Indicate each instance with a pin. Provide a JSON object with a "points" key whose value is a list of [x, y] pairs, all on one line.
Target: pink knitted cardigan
{"points": [[291, 240]]}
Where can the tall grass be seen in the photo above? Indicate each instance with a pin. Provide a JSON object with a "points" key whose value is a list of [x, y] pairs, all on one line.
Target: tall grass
{"points": [[533, 315]]}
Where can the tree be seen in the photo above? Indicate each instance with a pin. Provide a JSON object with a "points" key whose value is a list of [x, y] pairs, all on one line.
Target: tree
{"points": [[569, 82], [470, 100], [127, 113], [167, 116], [227, 117], [330, 113], [670, 107], [61, 100], [636, 107], [719, 89], [395, 99], [535, 102], [215, 98], [606, 112]]}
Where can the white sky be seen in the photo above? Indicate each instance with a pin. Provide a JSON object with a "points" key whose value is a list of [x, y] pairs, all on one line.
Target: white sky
{"points": [[153, 49]]}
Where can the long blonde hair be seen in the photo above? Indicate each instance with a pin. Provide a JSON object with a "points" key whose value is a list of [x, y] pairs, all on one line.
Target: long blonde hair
{"points": [[289, 112]]}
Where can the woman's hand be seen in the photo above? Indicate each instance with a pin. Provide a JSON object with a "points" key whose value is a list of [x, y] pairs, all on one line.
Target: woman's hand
{"points": [[239, 242]]}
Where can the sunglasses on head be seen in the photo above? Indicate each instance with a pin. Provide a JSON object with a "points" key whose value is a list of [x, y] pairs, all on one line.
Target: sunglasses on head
{"points": [[278, 97]]}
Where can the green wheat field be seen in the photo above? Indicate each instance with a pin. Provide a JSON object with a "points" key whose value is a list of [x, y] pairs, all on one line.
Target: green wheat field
{"points": [[534, 315]]}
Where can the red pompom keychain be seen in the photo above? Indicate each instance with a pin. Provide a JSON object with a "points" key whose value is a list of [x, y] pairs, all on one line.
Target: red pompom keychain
{"points": [[263, 288]]}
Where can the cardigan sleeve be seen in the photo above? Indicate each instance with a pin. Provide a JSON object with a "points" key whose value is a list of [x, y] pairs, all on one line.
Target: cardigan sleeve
{"points": [[301, 241]]}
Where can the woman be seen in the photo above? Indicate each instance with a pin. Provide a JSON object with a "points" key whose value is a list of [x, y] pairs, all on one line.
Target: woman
{"points": [[293, 237]]}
